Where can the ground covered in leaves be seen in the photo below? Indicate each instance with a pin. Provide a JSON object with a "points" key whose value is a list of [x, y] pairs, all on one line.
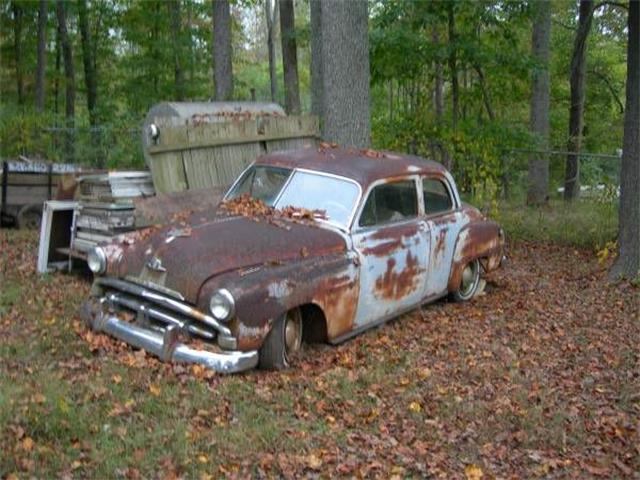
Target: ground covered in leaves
{"points": [[539, 377]]}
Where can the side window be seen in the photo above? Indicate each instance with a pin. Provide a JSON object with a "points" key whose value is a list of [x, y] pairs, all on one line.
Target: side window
{"points": [[390, 202], [436, 196]]}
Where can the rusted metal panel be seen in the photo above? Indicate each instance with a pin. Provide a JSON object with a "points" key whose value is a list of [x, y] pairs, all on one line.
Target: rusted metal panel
{"points": [[393, 261], [478, 239], [363, 166]]}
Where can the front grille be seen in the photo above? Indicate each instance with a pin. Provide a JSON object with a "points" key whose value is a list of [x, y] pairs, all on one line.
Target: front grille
{"points": [[159, 308]]}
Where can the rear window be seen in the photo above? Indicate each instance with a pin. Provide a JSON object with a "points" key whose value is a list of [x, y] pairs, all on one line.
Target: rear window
{"points": [[390, 202], [436, 196]]}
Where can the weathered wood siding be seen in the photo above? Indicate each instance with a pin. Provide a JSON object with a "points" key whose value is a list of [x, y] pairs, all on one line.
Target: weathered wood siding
{"points": [[213, 154]]}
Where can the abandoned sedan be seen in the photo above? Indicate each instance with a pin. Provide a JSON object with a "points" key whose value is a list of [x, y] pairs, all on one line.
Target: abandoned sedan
{"points": [[309, 245]]}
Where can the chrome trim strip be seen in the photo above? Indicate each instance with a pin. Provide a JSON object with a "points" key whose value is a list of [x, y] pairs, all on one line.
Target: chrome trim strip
{"points": [[133, 304], [156, 287], [169, 303], [169, 349]]}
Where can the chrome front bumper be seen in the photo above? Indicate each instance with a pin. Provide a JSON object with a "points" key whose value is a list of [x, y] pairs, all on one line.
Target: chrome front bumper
{"points": [[166, 345]]}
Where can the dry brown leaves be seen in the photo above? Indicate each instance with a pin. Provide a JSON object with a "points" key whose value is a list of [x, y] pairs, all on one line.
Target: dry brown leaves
{"points": [[248, 206], [538, 378]]}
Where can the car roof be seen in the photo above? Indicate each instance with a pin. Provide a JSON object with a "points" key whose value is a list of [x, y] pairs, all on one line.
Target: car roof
{"points": [[363, 166]]}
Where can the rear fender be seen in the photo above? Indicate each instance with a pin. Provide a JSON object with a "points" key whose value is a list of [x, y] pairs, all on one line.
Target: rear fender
{"points": [[481, 239]]}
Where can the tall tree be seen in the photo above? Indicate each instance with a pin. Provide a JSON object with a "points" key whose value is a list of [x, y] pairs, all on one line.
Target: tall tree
{"points": [[222, 51], [17, 48], [453, 64], [340, 70], [628, 262], [289, 57], [176, 37], [578, 81], [42, 54], [539, 110], [438, 93], [271, 12], [69, 73], [90, 78]]}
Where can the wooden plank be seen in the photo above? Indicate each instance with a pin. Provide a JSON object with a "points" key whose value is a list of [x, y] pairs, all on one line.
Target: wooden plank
{"points": [[291, 144], [231, 160], [200, 171], [232, 133], [168, 172]]}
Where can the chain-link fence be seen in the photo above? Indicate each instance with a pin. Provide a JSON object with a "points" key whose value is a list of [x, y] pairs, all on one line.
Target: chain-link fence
{"points": [[599, 174]]}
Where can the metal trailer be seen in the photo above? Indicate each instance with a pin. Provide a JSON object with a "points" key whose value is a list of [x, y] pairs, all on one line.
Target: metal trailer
{"points": [[26, 185]]}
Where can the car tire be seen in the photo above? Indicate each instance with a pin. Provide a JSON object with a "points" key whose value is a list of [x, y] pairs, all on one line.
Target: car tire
{"points": [[468, 283], [283, 342], [29, 217]]}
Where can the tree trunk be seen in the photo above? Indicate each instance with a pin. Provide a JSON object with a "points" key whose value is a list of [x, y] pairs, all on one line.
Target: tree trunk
{"points": [[576, 109], [627, 264], [90, 80], [453, 65], [176, 37], [271, 12], [340, 70], [438, 97], [67, 57], [56, 82], [289, 57], [42, 54], [485, 93], [538, 189], [155, 47], [17, 49], [222, 52]]}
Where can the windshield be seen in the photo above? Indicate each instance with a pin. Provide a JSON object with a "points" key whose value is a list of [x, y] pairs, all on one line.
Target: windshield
{"points": [[262, 183], [312, 191]]}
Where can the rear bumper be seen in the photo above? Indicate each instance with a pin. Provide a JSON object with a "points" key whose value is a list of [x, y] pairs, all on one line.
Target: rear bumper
{"points": [[166, 344]]}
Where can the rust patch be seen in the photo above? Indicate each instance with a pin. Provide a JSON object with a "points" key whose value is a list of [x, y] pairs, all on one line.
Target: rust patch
{"points": [[440, 242], [338, 298], [383, 249], [394, 285], [395, 231]]}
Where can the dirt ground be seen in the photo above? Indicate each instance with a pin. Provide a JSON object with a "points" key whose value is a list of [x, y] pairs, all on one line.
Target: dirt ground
{"points": [[538, 377]]}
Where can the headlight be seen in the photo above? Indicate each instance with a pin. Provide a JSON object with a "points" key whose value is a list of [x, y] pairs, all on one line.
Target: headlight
{"points": [[97, 260], [222, 305]]}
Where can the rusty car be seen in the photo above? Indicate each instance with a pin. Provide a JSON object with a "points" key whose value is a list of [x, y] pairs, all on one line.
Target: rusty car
{"points": [[311, 245]]}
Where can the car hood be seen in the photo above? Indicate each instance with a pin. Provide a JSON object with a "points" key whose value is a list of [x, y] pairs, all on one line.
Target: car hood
{"points": [[182, 258]]}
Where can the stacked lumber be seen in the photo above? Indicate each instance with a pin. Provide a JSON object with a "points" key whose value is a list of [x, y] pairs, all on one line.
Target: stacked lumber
{"points": [[106, 206]]}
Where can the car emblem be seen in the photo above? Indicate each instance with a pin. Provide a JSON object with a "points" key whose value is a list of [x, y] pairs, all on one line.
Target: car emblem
{"points": [[155, 263]]}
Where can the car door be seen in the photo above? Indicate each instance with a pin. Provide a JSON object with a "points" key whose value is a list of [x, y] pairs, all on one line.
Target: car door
{"points": [[443, 224], [392, 242]]}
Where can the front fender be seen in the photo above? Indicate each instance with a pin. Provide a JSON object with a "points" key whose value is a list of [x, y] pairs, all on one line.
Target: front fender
{"points": [[263, 293], [481, 239]]}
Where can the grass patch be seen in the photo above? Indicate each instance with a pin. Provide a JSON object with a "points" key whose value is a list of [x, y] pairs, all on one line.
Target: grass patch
{"points": [[583, 223]]}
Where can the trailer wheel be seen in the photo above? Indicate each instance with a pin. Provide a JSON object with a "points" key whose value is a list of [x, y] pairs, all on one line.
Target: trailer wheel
{"points": [[29, 217]]}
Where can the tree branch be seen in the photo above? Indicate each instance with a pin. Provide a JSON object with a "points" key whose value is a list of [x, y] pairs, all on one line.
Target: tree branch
{"points": [[607, 81]]}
